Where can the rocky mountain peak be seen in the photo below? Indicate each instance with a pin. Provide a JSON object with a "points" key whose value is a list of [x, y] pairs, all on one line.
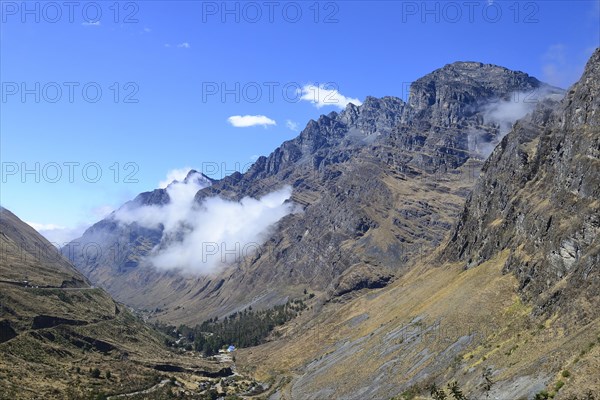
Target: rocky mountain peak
{"points": [[454, 92], [198, 178]]}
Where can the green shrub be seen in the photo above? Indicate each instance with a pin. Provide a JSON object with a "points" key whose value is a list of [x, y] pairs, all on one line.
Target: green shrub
{"points": [[437, 393], [456, 391], [565, 374], [543, 395]]}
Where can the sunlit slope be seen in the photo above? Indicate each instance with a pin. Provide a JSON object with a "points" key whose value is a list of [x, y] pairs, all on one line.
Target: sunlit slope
{"points": [[55, 329], [514, 293]]}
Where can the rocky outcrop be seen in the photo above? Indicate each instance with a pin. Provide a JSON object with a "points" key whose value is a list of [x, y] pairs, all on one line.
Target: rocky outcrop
{"points": [[6, 331], [49, 321], [360, 277], [540, 198]]}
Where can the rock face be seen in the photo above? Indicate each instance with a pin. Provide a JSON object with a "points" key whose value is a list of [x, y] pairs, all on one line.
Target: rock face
{"points": [[360, 277], [459, 90], [379, 184], [540, 198]]}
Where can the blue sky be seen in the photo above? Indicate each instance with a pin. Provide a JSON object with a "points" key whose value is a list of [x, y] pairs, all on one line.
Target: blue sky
{"points": [[140, 89]]}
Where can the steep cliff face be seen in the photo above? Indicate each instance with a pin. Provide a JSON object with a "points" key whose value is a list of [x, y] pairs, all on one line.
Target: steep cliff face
{"points": [[380, 184], [540, 198], [508, 308]]}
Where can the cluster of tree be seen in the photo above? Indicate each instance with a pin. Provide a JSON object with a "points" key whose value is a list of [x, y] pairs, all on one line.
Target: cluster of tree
{"points": [[241, 329], [453, 388]]}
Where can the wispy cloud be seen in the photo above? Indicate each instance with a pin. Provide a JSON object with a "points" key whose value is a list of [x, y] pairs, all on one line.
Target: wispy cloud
{"points": [[504, 113], [177, 174], [200, 238], [44, 227], [56, 234], [245, 121], [322, 96], [560, 67], [291, 125], [88, 23], [102, 212], [184, 45], [60, 235]]}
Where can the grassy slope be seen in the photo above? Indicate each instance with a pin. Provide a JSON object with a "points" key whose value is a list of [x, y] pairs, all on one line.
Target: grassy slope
{"points": [[440, 322], [51, 358], [26, 255]]}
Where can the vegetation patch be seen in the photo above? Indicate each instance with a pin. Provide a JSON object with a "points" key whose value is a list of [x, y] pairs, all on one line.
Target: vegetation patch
{"points": [[241, 329]]}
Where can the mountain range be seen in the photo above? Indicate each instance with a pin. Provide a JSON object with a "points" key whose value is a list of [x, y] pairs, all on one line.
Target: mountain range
{"points": [[377, 183], [445, 244]]}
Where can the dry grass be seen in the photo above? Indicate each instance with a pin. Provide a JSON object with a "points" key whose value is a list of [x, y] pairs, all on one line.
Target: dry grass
{"points": [[344, 351]]}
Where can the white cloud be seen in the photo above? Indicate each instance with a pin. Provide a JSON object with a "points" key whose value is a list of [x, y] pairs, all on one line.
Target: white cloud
{"points": [[44, 227], [291, 125], [322, 96], [170, 216], [57, 234], [60, 235], [246, 121], [200, 238], [177, 174], [504, 113], [184, 45], [554, 64], [254, 157], [88, 23]]}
